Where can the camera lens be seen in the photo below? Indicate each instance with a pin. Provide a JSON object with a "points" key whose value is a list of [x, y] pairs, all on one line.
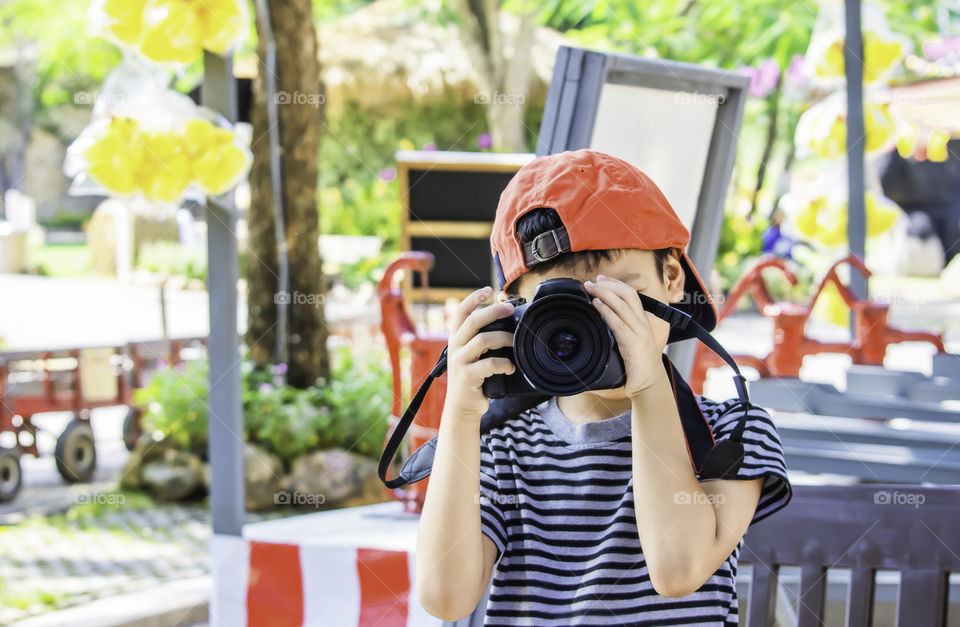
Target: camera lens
{"points": [[564, 344]]}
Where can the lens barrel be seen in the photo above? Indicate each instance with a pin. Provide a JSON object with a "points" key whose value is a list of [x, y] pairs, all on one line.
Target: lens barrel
{"points": [[562, 344]]}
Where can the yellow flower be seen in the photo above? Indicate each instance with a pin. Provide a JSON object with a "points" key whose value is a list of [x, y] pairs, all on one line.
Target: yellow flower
{"points": [[879, 126], [882, 213], [878, 55], [109, 159], [220, 24], [937, 145], [831, 64], [906, 140], [219, 168], [217, 161], [331, 197], [124, 19], [806, 220], [165, 169], [831, 307], [171, 31], [833, 227]]}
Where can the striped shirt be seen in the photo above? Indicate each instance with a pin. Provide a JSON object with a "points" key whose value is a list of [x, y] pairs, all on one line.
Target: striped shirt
{"points": [[557, 500]]}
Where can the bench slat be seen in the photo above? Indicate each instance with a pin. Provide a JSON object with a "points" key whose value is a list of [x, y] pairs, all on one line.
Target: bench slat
{"points": [[860, 596], [923, 598], [763, 595], [813, 590]]}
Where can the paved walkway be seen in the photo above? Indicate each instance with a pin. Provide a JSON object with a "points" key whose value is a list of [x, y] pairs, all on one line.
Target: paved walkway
{"points": [[58, 312], [48, 564]]}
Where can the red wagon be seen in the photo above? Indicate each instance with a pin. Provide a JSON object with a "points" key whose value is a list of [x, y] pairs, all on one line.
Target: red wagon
{"points": [[56, 380]]}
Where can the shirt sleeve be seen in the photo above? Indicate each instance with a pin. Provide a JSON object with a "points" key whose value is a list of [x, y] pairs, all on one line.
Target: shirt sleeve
{"points": [[491, 511], [762, 453]]}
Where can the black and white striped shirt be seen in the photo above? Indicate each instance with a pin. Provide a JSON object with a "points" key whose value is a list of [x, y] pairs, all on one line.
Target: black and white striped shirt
{"points": [[557, 500]]}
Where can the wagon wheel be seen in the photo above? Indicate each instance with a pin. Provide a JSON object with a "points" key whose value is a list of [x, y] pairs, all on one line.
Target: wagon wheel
{"points": [[75, 453], [10, 475], [131, 428]]}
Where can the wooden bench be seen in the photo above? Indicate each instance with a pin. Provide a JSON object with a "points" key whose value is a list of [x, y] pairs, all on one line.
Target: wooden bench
{"points": [[863, 528]]}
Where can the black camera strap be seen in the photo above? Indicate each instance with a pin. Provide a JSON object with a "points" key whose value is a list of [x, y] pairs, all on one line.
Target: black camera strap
{"points": [[710, 459]]}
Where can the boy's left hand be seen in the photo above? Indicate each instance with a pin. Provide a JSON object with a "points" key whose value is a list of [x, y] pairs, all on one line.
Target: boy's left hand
{"points": [[623, 312]]}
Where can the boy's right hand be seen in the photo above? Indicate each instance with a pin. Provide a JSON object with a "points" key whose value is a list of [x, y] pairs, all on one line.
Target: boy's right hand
{"points": [[465, 370]]}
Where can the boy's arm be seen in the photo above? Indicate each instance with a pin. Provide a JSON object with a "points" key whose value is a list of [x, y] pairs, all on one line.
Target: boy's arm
{"points": [[454, 558], [687, 528]]}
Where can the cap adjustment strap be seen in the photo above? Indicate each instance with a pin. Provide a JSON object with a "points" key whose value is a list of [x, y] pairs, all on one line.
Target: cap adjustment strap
{"points": [[546, 246]]}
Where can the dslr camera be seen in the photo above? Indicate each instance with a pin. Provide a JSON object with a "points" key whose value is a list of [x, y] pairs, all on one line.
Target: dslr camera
{"points": [[561, 345]]}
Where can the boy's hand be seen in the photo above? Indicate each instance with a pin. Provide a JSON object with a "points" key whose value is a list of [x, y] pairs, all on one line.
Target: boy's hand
{"points": [[465, 370], [621, 308]]}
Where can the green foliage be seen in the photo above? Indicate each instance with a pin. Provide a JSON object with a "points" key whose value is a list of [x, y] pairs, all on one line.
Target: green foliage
{"points": [[353, 275], [720, 34], [171, 258], [329, 11], [285, 420], [371, 207], [740, 243], [65, 220], [176, 405], [106, 503], [355, 200], [10, 596], [350, 411], [359, 396], [63, 260], [361, 144], [63, 67]]}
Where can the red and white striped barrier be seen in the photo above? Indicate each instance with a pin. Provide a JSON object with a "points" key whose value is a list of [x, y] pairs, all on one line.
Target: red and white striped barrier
{"points": [[344, 568]]}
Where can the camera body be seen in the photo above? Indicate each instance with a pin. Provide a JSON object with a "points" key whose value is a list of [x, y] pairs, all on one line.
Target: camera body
{"points": [[561, 345]]}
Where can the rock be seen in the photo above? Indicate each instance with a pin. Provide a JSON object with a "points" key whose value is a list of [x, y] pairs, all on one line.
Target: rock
{"points": [[175, 476], [333, 478], [263, 473], [146, 450]]}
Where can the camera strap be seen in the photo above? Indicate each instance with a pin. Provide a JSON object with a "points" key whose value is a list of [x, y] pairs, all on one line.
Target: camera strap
{"points": [[710, 459]]}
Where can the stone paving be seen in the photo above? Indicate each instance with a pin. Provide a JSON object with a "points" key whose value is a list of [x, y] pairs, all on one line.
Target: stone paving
{"points": [[60, 561]]}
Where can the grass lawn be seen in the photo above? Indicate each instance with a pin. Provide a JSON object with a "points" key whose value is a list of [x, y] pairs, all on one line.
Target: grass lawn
{"points": [[65, 260]]}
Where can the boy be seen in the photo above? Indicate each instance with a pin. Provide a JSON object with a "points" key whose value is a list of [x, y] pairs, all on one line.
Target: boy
{"points": [[586, 508]]}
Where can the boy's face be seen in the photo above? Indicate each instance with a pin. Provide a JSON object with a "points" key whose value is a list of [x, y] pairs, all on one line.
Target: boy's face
{"points": [[636, 268]]}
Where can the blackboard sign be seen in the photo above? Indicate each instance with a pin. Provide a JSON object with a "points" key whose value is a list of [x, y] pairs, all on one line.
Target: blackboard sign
{"points": [[449, 201]]}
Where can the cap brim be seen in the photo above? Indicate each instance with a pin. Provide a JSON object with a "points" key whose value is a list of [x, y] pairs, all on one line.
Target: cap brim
{"points": [[696, 302]]}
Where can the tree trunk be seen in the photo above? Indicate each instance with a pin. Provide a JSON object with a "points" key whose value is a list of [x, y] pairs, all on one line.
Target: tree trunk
{"points": [[768, 147], [299, 97], [503, 65]]}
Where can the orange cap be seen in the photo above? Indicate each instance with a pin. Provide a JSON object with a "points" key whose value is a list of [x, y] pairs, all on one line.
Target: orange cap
{"points": [[604, 203]]}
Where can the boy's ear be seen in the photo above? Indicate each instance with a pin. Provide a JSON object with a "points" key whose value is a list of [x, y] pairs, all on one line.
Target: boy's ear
{"points": [[673, 276]]}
